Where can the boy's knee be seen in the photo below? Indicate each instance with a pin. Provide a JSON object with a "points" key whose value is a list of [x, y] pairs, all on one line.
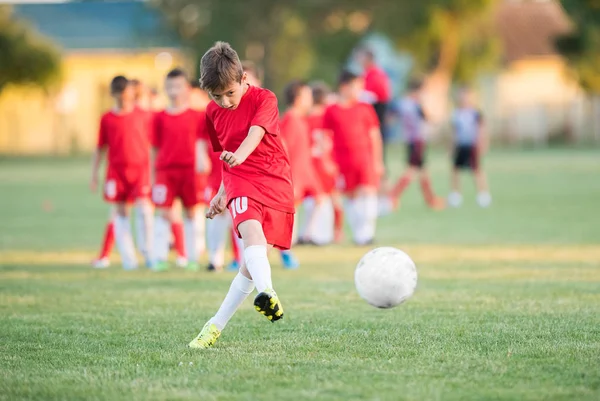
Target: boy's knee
{"points": [[252, 233]]}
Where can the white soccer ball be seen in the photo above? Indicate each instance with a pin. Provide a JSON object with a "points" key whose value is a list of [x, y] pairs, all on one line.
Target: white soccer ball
{"points": [[385, 277]]}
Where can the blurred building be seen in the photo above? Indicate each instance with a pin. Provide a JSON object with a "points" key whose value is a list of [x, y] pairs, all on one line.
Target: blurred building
{"points": [[533, 98], [98, 40]]}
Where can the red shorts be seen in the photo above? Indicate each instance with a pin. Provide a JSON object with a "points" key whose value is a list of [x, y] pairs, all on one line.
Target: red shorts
{"points": [[182, 183], [277, 225], [327, 178], [356, 175], [126, 184]]}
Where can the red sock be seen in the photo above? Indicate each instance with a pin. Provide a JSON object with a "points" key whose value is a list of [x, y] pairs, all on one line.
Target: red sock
{"points": [[338, 218], [177, 231], [427, 191], [237, 252], [400, 186], [108, 242]]}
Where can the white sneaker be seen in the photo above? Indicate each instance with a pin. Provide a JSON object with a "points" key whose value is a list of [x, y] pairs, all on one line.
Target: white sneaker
{"points": [[455, 199], [101, 263], [181, 262], [484, 199]]}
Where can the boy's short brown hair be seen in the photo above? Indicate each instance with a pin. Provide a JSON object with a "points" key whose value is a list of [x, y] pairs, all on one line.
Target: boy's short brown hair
{"points": [[220, 67]]}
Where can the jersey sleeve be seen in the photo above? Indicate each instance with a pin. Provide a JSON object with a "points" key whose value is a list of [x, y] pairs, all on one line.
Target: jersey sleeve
{"points": [[202, 131], [102, 134], [267, 114], [372, 117], [211, 133]]}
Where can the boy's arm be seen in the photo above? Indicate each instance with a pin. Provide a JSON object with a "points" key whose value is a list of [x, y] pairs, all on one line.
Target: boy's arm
{"points": [[96, 160], [377, 146], [255, 135]]}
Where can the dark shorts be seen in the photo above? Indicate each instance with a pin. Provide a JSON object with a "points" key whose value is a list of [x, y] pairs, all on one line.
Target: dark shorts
{"points": [[466, 157], [416, 154]]}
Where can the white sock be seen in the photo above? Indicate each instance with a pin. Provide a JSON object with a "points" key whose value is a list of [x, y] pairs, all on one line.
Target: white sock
{"points": [[143, 228], [455, 199], [162, 232], [360, 231], [239, 290], [323, 223], [216, 232], [350, 206], [124, 242], [258, 265], [371, 212], [484, 199], [309, 208], [192, 229]]}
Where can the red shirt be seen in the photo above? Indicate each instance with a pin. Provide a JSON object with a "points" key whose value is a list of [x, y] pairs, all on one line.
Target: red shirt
{"points": [[126, 137], [317, 131], [265, 175], [378, 83], [295, 133], [351, 128], [216, 172], [175, 135]]}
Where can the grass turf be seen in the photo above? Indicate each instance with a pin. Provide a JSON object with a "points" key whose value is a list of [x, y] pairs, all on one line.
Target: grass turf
{"points": [[506, 308]]}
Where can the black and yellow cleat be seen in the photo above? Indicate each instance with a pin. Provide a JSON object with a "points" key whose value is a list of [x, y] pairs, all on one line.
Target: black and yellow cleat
{"points": [[269, 305]]}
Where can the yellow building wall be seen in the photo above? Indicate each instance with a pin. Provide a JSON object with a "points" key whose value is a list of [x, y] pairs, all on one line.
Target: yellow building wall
{"points": [[66, 121]]}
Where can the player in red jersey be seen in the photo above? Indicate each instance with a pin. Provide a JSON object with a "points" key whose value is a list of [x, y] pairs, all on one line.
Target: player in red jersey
{"points": [[295, 132], [124, 134], [180, 153], [243, 124], [358, 152], [322, 155], [253, 74]]}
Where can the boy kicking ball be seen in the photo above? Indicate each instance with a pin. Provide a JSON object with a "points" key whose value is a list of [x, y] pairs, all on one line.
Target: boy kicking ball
{"points": [[243, 124]]}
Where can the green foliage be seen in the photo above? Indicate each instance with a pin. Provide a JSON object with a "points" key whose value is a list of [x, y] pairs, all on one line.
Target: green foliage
{"points": [[25, 58], [313, 38], [581, 46]]}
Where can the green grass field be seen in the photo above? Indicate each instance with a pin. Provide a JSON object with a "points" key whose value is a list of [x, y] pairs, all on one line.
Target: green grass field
{"points": [[507, 306]]}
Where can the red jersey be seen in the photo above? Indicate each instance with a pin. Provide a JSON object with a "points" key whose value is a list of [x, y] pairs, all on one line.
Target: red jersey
{"points": [[265, 175], [378, 83], [126, 137], [351, 128], [216, 172], [295, 133], [175, 135]]}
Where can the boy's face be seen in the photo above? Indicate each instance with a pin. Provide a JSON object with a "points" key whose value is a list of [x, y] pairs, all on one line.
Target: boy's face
{"points": [[353, 89], [230, 96], [177, 88], [304, 99], [127, 95]]}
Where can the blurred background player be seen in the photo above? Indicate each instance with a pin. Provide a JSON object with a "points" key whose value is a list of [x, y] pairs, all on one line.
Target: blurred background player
{"points": [[295, 132], [243, 123], [378, 89], [179, 155], [253, 74], [413, 120], [358, 153], [325, 168], [124, 134], [469, 145]]}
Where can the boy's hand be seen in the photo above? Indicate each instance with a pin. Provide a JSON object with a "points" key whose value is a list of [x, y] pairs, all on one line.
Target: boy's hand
{"points": [[231, 158], [94, 183], [217, 205]]}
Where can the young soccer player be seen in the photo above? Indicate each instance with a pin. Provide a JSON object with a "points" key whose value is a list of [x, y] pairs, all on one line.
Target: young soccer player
{"points": [[243, 124], [124, 134], [322, 155], [253, 74], [295, 132], [413, 125], [469, 143], [358, 152], [179, 154]]}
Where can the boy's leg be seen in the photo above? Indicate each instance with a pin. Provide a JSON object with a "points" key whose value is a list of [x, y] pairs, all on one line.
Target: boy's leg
{"points": [[484, 199], [366, 209], [338, 217], [177, 232], [124, 238], [193, 227], [216, 237], [432, 201], [401, 185], [143, 225], [455, 198], [108, 243], [161, 237]]}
